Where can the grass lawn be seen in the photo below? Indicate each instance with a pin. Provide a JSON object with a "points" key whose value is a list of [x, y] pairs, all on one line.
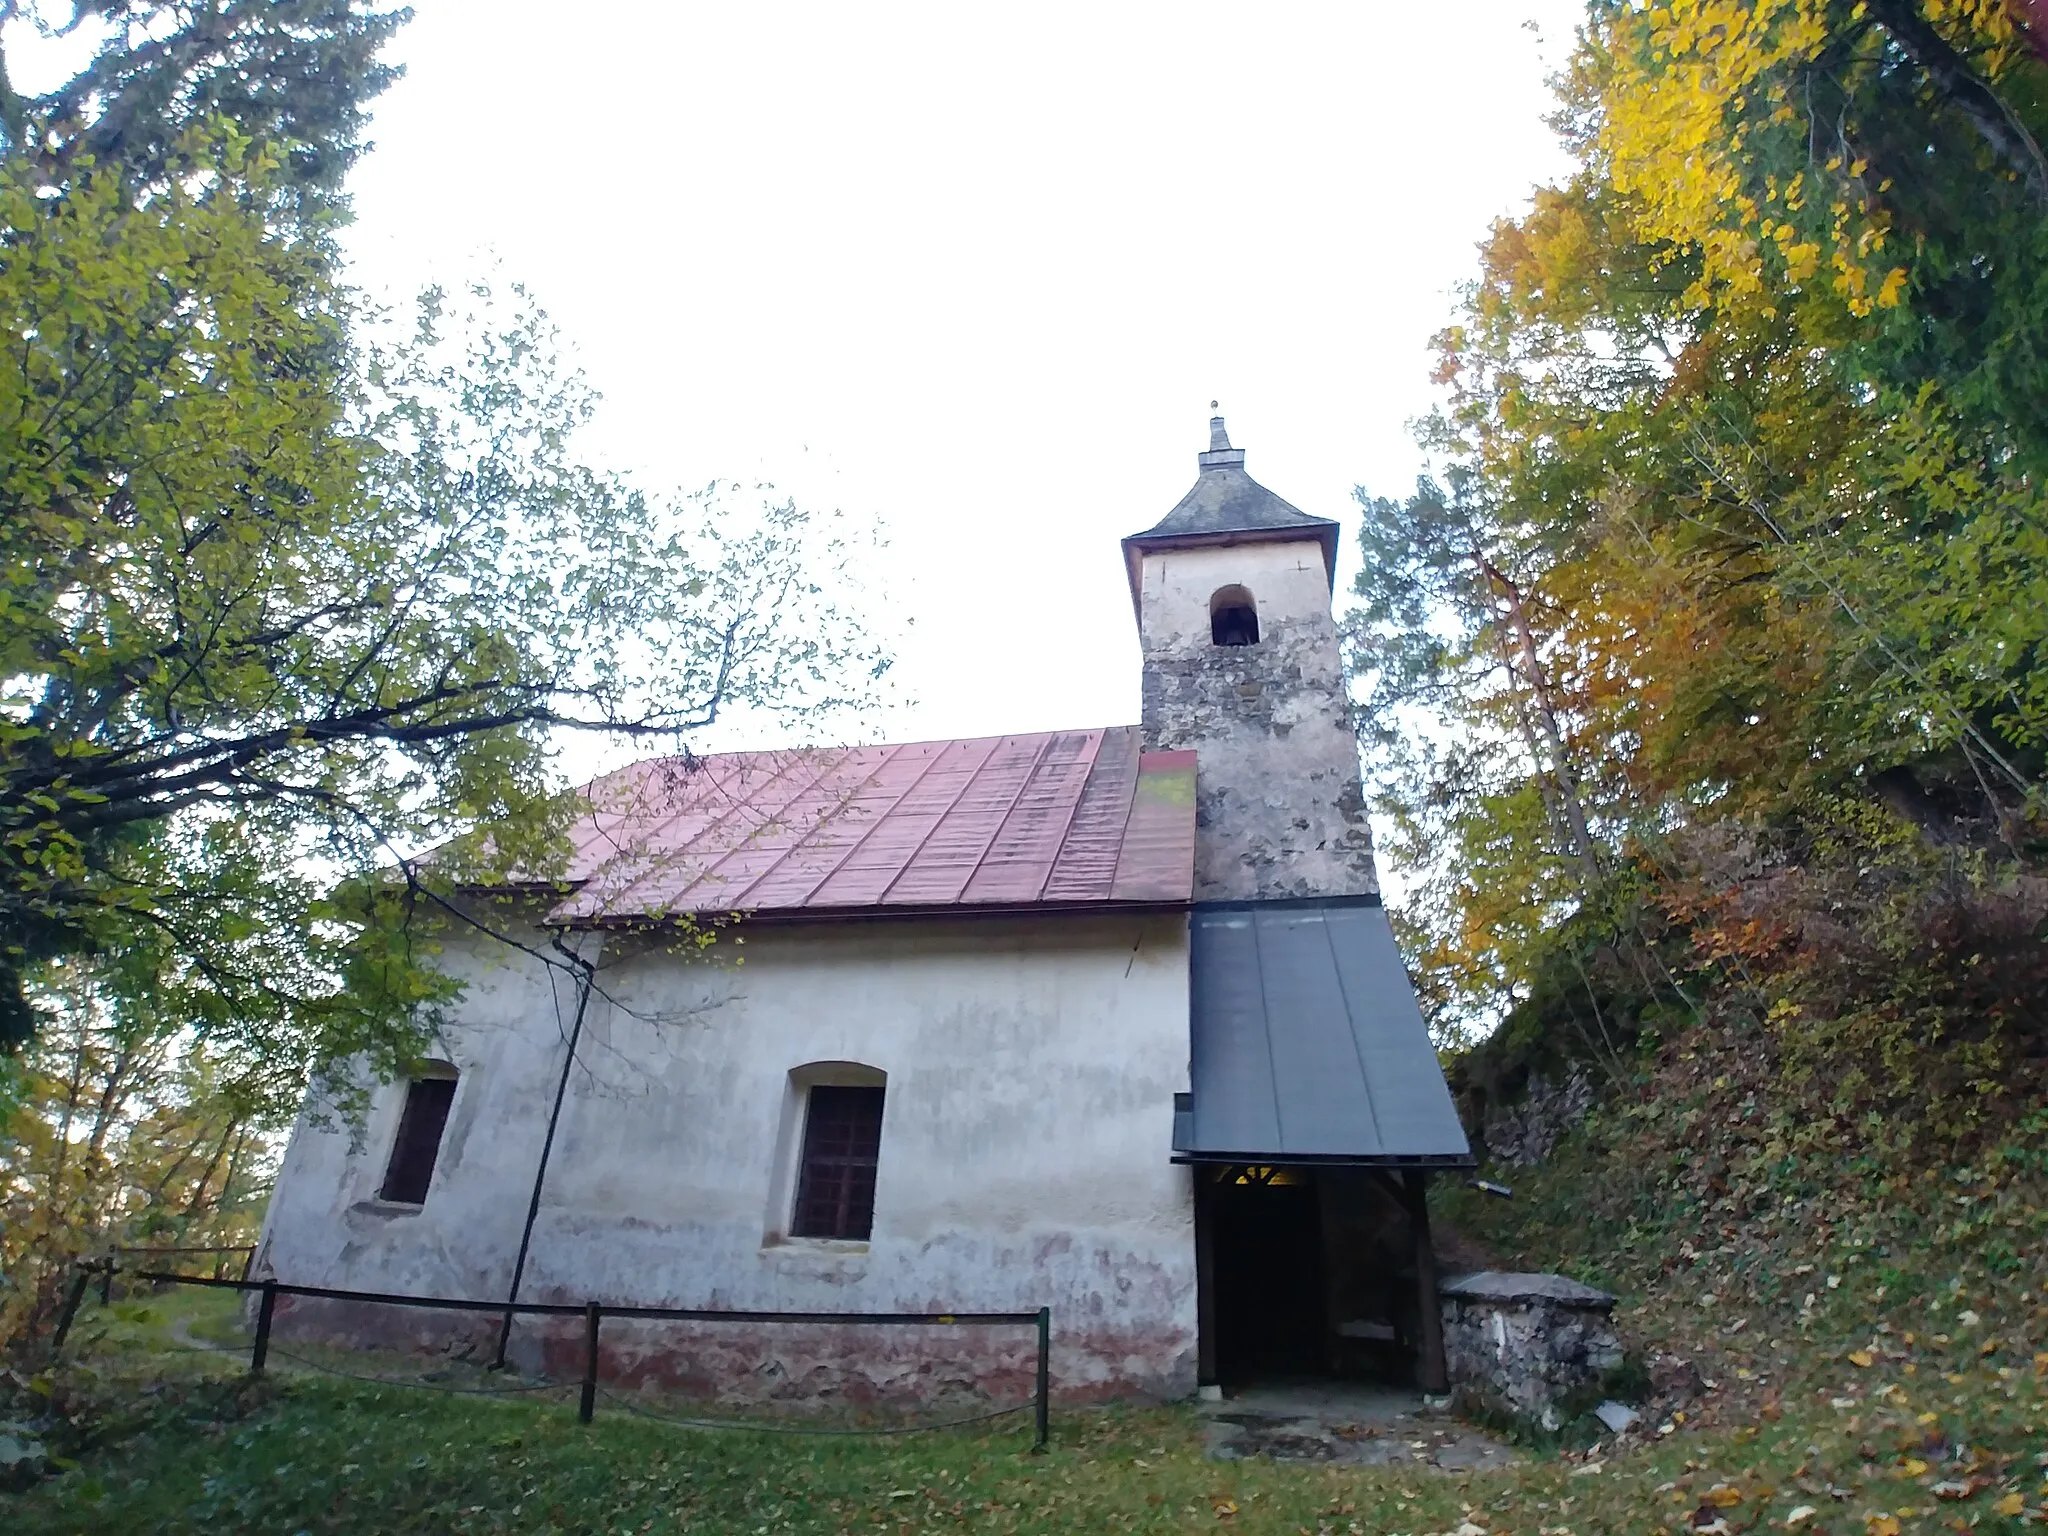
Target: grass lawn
{"points": [[189, 1447]]}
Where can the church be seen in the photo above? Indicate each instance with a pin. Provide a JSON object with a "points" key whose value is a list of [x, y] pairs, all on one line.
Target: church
{"points": [[1109, 1021]]}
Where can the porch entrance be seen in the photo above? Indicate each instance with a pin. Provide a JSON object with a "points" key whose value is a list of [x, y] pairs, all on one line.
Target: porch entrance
{"points": [[1314, 1271], [1270, 1283]]}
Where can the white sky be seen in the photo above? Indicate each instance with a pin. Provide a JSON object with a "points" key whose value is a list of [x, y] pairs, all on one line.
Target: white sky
{"points": [[976, 270]]}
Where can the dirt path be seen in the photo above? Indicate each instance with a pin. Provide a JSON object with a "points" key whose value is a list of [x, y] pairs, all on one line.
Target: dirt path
{"points": [[1347, 1425]]}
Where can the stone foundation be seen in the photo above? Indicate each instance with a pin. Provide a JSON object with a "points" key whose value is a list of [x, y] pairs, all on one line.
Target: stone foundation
{"points": [[1521, 1344], [803, 1365]]}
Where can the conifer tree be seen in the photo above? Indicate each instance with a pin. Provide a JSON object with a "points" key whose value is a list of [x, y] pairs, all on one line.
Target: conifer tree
{"points": [[295, 75]]}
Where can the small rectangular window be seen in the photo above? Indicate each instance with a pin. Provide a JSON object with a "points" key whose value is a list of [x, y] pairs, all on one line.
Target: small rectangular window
{"points": [[835, 1191], [419, 1139]]}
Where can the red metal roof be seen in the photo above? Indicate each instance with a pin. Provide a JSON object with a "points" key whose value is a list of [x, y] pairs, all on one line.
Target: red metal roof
{"points": [[1057, 819]]}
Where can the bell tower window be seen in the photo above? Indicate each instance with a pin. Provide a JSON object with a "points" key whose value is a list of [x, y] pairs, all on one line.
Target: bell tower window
{"points": [[1233, 617]]}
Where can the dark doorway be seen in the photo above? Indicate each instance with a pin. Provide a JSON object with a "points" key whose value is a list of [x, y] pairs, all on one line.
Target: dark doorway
{"points": [[1266, 1242]]}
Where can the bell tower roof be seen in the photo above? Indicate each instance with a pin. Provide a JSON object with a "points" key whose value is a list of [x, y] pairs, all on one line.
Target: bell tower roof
{"points": [[1227, 506]]}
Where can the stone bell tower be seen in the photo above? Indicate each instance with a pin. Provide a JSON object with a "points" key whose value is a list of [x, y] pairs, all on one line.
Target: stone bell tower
{"points": [[1242, 664]]}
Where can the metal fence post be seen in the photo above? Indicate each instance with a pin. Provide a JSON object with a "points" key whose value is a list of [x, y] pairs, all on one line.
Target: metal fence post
{"points": [[107, 1283], [79, 1282], [1042, 1443], [588, 1406], [263, 1311]]}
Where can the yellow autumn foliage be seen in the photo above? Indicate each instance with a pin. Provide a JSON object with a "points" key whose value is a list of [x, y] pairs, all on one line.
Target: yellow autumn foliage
{"points": [[1686, 88]]}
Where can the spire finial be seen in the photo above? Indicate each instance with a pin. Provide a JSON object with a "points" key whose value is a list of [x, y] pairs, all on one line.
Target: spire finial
{"points": [[1220, 455]]}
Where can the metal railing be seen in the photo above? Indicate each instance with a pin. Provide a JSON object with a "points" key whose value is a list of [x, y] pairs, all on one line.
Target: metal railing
{"points": [[594, 1314]]}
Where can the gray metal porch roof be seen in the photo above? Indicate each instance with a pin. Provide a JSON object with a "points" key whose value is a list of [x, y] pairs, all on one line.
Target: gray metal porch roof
{"points": [[1306, 1044]]}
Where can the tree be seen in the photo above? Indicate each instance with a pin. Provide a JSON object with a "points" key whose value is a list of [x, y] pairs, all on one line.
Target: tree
{"points": [[298, 602], [1856, 414], [268, 600], [127, 1133], [1750, 408], [285, 597], [294, 75]]}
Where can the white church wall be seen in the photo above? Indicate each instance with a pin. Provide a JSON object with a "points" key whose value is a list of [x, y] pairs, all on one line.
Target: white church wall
{"points": [[1030, 1068]]}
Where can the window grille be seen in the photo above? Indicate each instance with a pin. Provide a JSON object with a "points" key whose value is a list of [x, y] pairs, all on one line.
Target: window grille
{"points": [[835, 1192]]}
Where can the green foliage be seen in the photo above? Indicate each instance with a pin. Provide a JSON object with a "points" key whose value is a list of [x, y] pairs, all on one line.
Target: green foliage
{"points": [[176, 373], [130, 1131], [277, 609], [1738, 518], [298, 603], [296, 75], [1851, 1234]]}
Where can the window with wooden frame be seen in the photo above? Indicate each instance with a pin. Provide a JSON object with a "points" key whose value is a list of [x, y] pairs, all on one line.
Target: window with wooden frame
{"points": [[835, 1184], [418, 1143]]}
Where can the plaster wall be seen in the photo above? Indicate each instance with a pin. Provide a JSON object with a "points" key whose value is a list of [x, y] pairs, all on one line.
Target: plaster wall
{"points": [[1280, 801], [1030, 1066]]}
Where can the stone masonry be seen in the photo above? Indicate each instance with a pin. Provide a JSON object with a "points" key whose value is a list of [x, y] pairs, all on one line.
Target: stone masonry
{"points": [[1248, 709], [1522, 1344], [1279, 797]]}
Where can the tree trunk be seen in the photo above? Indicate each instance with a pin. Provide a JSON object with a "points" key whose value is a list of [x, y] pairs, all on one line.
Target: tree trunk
{"points": [[220, 1150], [1572, 807], [1968, 92], [2032, 19], [54, 1194]]}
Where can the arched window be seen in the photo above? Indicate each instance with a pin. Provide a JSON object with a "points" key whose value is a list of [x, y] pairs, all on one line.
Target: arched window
{"points": [[1233, 617]]}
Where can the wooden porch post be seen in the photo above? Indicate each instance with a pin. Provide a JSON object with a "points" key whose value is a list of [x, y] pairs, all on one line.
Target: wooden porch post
{"points": [[1205, 1274], [1431, 1373]]}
